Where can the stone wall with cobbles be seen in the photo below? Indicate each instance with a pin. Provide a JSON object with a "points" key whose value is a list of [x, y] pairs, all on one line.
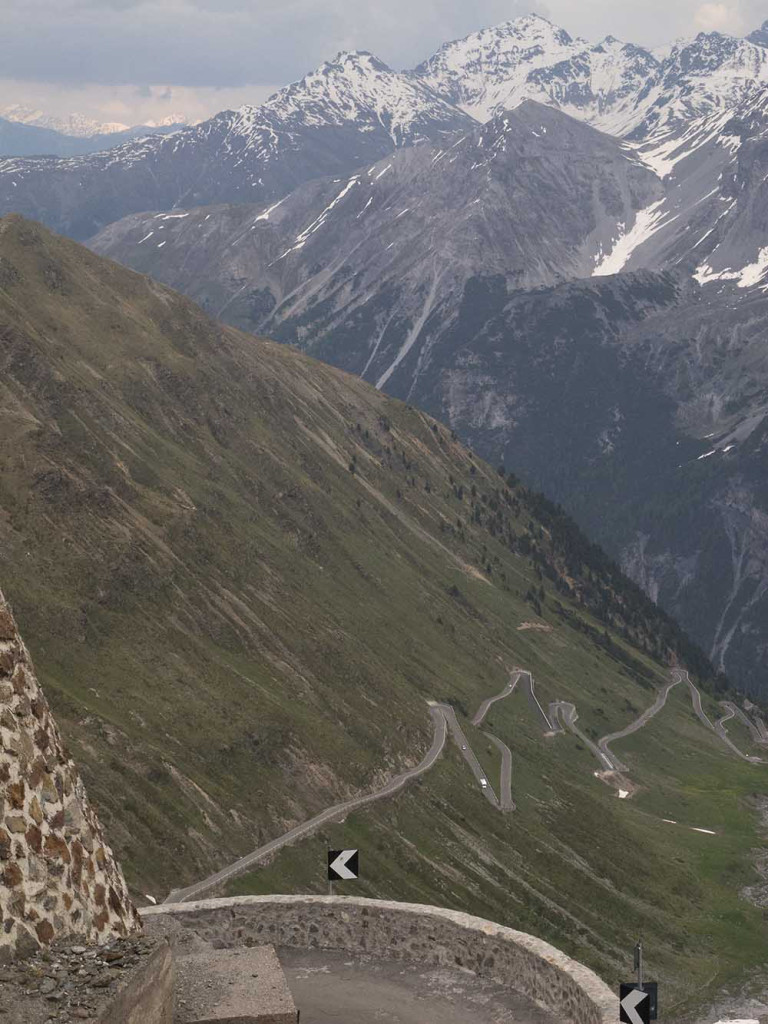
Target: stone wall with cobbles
{"points": [[58, 877], [429, 935]]}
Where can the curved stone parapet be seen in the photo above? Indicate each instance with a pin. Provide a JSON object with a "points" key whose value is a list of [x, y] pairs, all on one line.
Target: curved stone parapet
{"points": [[409, 931]]}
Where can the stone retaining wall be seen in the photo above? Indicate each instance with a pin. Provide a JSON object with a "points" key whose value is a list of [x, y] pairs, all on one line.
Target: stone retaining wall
{"points": [[58, 877], [409, 931]]}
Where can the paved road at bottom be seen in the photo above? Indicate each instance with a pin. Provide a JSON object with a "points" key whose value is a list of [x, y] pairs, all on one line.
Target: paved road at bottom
{"points": [[336, 813], [562, 714]]}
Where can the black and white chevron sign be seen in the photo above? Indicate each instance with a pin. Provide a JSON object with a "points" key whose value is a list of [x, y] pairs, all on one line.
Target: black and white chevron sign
{"points": [[342, 865]]}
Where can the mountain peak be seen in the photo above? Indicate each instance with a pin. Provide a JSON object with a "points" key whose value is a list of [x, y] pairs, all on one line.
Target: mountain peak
{"points": [[760, 36], [356, 59], [530, 22]]}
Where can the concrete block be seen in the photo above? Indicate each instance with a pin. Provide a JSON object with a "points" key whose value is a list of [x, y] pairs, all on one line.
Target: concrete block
{"points": [[233, 986], [146, 995]]}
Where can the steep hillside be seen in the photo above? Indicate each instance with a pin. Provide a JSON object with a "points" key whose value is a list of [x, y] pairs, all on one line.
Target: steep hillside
{"points": [[639, 401], [243, 574], [350, 110]]}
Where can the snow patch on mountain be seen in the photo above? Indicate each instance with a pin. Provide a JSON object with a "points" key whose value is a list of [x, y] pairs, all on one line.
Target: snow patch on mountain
{"points": [[647, 222], [747, 277]]}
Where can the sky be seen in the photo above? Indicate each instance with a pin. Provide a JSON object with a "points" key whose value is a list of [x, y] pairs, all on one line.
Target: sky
{"points": [[139, 60]]}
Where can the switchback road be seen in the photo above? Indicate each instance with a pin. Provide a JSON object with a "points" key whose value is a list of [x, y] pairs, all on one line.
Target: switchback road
{"points": [[467, 752], [336, 813], [566, 713], [482, 711], [719, 729], [505, 780], [638, 723], [562, 715], [755, 732]]}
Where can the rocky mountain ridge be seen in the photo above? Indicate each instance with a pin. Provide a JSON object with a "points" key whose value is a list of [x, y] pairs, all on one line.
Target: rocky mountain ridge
{"points": [[352, 110], [618, 87], [516, 196]]}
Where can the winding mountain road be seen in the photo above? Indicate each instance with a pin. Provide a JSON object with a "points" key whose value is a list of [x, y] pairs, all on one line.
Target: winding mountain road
{"points": [[482, 711], [506, 803], [565, 712], [639, 722], [440, 719], [468, 753], [562, 715], [757, 734], [719, 729]]}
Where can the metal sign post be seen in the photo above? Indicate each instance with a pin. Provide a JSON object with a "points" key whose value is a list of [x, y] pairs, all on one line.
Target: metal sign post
{"points": [[638, 1000]]}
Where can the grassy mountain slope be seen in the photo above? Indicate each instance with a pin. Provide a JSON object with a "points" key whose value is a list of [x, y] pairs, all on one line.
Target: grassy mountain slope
{"points": [[242, 573]]}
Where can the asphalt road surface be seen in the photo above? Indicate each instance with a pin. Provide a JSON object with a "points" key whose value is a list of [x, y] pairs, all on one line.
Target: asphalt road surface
{"points": [[719, 729], [332, 987], [562, 715], [754, 730], [568, 715], [336, 813], [468, 753], [482, 711], [638, 723], [506, 803]]}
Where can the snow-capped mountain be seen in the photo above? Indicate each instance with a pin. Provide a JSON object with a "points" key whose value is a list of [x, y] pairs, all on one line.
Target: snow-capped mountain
{"points": [[489, 70], [711, 219], [530, 58], [169, 121], [707, 75], [77, 125], [618, 87], [357, 88], [350, 111]]}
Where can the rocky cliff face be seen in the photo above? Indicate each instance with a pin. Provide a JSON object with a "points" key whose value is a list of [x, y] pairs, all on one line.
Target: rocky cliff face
{"points": [[59, 877]]}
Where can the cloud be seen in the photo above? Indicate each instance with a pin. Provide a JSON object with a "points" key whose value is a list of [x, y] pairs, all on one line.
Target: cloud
{"points": [[105, 50], [718, 17], [223, 42]]}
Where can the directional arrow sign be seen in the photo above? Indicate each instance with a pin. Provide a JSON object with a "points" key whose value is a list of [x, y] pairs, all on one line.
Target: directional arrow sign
{"points": [[635, 1004], [342, 864]]}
